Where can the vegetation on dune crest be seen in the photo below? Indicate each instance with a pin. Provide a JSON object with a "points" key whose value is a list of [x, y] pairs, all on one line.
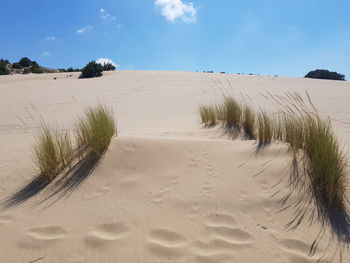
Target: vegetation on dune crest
{"points": [[324, 74], [91, 70]]}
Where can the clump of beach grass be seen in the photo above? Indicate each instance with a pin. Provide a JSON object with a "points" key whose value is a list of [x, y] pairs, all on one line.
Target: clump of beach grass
{"points": [[248, 123], [52, 152], [208, 114], [265, 129], [95, 130], [325, 162], [232, 113], [294, 133]]}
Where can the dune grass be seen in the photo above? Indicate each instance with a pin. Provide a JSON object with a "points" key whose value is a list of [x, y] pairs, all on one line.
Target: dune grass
{"points": [[248, 123], [294, 133], [52, 152], [95, 130], [309, 138], [232, 113], [325, 162], [265, 129], [208, 114]]}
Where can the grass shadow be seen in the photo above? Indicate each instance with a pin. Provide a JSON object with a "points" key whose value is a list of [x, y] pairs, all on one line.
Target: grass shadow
{"points": [[310, 207], [31, 189], [63, 186]]}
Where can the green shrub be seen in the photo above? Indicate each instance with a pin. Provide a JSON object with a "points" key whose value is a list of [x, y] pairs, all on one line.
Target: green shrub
{"points": [[36, 69], [25, 62], [324, 74], [108, 67], [91, 70], [17, 66], [26, 71], [4, 70]]}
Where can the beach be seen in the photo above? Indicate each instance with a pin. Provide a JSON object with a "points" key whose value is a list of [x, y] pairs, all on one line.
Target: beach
{"points": [[167, 189]]}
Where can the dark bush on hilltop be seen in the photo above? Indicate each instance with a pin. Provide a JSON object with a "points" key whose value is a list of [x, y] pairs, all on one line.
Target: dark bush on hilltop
{"points": [[108, 67], [25, 62], [91, 70], [324, 74], [16, 66]]}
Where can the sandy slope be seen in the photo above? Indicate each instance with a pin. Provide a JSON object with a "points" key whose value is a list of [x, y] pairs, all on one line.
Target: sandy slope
{"points": [[166, 190]]}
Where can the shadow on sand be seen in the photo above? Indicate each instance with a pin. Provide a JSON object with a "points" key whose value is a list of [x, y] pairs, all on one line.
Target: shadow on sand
{"points": [[62, 186], [310, 206]]}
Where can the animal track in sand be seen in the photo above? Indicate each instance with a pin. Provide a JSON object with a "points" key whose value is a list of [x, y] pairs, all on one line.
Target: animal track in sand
{"points": [[206, 191], [193, 162], [4, 219], [42, 237], [167, 244], [210, 170], [104, 234]]}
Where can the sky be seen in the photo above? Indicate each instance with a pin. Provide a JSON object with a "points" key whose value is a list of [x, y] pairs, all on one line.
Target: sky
{"points": [[270, 37]]}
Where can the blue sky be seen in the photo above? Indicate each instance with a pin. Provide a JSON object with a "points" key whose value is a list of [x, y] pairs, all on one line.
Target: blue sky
{"points": [[284, 37]]}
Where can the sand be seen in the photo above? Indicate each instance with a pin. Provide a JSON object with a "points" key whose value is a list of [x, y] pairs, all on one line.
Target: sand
{"points": [[166, 190]]}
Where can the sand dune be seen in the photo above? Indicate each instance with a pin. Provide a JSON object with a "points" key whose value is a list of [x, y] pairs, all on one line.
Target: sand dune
{"points": [[166, 190]]}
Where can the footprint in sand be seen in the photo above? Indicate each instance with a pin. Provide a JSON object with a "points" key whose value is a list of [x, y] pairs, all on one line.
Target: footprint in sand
{"points": [[166, 244], [4, 219], [42, 237], [223, 235], [105, 234]]}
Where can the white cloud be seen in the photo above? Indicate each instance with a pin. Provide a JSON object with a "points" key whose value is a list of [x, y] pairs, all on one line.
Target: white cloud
{"points": [[46, 54], [84, 30], [105, 15], [174, 9], [50, 38], [105, 61]]}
